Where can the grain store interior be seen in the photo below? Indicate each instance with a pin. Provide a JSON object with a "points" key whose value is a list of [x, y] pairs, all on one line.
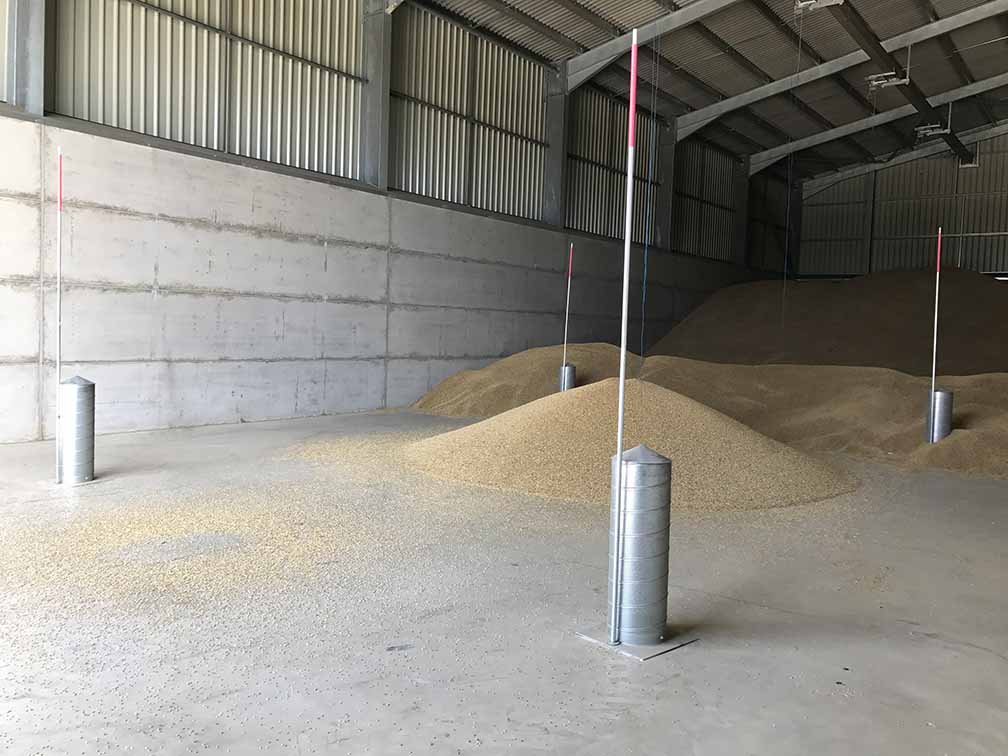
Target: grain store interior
{"points": [[323, 322]]}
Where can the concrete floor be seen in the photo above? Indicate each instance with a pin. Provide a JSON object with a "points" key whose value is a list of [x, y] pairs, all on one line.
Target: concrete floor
{"points": [[440, 619]]}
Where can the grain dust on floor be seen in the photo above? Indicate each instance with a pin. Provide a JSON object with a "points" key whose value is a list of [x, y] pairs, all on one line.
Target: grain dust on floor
{"points": [[165, 551]]}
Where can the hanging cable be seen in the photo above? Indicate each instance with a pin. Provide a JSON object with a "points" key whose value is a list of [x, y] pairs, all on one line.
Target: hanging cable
{"points": [[800, 18], [649, 218]]}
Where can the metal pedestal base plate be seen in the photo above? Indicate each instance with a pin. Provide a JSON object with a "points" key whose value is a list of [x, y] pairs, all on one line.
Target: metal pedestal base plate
{"points": [[599, 635]]}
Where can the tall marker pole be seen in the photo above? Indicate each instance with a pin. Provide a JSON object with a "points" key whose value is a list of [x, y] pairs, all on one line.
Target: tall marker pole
{"points": [[570, 268], [934, 352], [59, 307], [616, 565]]}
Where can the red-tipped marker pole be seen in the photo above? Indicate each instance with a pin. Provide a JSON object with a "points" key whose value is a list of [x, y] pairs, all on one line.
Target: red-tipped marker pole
{"points": [[616, 565], [934, 351], [59, 306], [570, 268]]}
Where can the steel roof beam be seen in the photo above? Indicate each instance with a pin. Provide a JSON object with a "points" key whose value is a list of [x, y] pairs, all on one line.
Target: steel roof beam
{"points": [[582, 67], [671, 69], [973, 136], [949, 48], [805, 46], [700, 118], [851, 20], [807, 110], [763, 159]]}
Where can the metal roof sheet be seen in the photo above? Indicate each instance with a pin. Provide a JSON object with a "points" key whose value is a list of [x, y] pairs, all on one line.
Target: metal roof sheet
{"points": [[699, 70]]}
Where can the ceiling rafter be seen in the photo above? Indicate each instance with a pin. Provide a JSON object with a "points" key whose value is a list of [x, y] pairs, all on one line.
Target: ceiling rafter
{"points": [[667, 66], [741, 60], [851, 19], [770, 156], [806, 47], [698, 119], [681, 107], [957, 60]]}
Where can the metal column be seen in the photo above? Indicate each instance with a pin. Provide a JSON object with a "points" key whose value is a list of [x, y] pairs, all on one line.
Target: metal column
{"points": [[26, 55], [870, 222], [555, 173], [742, 210], [377, 70], [665, 201], [794, 228]]}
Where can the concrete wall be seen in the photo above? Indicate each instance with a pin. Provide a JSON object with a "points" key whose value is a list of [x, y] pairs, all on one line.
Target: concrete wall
{"points": [[201, 291]]}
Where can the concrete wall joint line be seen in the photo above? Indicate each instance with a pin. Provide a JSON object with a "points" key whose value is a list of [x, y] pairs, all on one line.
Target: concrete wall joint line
{"points": [[219, 360], [409, 307], [388, 308], [560, 271], [265, 232], [40, 383], [162, 290]]}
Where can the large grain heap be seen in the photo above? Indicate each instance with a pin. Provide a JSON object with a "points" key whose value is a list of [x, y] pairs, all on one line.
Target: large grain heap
{"points": [[560, 446], [881, 320], [840, 374], [866, 411]]}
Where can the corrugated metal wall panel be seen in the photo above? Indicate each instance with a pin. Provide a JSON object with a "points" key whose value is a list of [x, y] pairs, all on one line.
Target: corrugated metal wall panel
{"points": [[126, 65], [183, 70], [911, 201], [428, 151], [704, 201], [597, 198], [509, 151], [327, 32], [836, 226], [510, 91], [507, 173], [3, 50], [768, 241], [596, 187], [468, 117], [421, 39], [286, 111]]}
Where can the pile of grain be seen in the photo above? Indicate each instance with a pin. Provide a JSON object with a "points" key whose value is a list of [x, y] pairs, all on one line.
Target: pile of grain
{"points": [[560, 446], [873, 413], [881, 320], [517, 380], [838, 374]]}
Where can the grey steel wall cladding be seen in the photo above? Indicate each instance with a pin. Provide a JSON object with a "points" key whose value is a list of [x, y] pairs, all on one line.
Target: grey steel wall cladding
{"points": [[276, 80], [468, 117], [704, 201], [768, 240], [596, 197], [836, 228], [856, 226]]}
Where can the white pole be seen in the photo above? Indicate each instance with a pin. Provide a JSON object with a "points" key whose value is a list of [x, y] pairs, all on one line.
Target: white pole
{"points": [[59, 307], [570, 268], [616, 569], [934, 351]]}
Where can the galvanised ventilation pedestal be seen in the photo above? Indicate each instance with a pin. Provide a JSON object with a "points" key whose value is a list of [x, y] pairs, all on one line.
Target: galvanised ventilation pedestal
{"points": [[939, 424], [639, 560], [568, 376], [77, 431]]}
